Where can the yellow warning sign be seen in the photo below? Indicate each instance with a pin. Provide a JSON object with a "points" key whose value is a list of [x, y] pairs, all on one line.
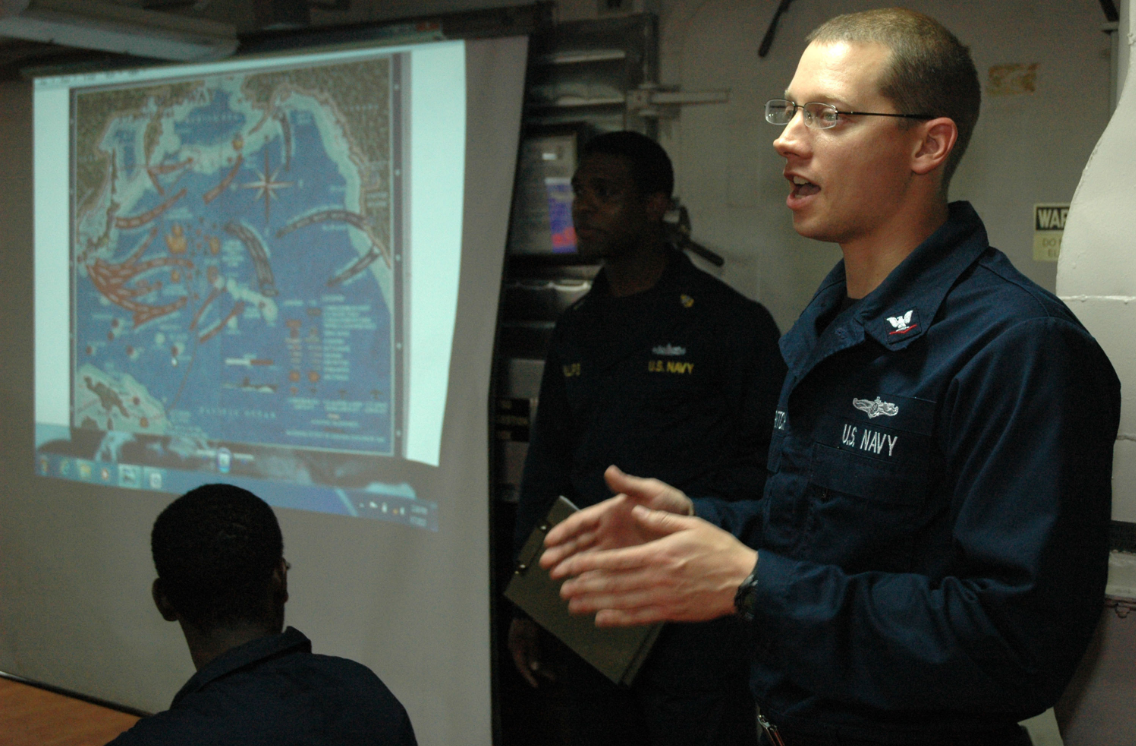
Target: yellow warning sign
{"points": [[1048, 228]]}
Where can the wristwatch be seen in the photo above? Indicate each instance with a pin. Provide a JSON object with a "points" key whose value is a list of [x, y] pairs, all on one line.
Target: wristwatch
{"points": [[745, 600]]}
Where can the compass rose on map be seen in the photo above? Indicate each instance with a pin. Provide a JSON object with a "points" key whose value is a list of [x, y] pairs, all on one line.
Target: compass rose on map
{"points": [[267, 185]]}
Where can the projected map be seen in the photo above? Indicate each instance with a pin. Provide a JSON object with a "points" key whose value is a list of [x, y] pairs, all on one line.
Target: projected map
{"points": [[236, 262]]}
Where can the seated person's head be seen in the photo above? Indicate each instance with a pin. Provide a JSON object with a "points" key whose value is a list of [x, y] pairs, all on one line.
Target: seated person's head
{"points": [[219, 556]]}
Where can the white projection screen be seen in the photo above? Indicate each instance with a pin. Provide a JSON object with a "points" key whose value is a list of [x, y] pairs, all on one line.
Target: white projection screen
{"points": [[279, 272]]}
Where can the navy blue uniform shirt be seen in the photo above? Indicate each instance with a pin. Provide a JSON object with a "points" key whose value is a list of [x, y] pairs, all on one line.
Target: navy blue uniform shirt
{"points": [[933, 537], [275, 691], [677, 382]]}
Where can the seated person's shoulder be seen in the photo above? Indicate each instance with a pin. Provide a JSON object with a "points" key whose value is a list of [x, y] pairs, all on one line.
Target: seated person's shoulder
{"points": [[371, 694], [296, 699], [352, 693], [350, 674]]}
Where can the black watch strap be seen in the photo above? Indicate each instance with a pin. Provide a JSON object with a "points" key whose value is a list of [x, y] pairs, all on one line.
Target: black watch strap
{"points": [[745, 600]]}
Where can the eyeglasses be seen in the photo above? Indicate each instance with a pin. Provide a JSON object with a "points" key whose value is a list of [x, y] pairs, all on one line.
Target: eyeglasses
{"points": [[819, 116]]}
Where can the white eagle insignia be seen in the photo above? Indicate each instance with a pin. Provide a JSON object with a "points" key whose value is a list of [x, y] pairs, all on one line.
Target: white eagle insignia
{"points": [[901, 324]]}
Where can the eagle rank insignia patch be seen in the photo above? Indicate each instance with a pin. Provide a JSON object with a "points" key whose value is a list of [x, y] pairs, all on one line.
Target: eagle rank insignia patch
{"points": [[901, 324]]}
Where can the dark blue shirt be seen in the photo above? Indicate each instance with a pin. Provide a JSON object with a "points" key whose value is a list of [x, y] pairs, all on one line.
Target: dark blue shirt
{"points": [[933, 537], [276, 691], [677, 382]]}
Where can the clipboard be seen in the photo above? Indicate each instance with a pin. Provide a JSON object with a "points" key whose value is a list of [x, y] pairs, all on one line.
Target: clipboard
{"points": [[616, 652]]}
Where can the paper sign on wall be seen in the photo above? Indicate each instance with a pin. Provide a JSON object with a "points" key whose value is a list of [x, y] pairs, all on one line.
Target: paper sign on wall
{"points": [[1048, 227]]}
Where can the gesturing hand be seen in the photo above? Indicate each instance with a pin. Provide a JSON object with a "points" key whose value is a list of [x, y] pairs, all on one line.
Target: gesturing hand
{"points": [[609, 525], [645, 566]]}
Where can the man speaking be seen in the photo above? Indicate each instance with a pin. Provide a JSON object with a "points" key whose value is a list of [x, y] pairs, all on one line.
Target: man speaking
{"points": [[928, 557]]}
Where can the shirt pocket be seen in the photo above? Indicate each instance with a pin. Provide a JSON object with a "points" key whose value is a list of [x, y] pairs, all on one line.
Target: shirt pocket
{"points": [[869, 486], [668, 393], [880, 448], [869, 478]]}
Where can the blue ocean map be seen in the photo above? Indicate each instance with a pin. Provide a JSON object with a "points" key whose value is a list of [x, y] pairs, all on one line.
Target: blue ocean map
{"points": [[235, 278]]}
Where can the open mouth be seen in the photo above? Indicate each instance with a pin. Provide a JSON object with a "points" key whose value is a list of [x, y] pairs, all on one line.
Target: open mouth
{"points": [[802, 187]]}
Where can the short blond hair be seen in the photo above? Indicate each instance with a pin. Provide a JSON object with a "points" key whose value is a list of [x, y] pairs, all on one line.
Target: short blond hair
{"points": [[930, 71]]}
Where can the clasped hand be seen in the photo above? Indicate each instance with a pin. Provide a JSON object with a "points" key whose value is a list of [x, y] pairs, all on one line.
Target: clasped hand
{"points": [[641, 557]]}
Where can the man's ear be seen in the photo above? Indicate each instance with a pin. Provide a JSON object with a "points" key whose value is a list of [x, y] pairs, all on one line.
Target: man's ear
{"points": [[280, 581], [939, 136], [657, 205], [165, 608]]}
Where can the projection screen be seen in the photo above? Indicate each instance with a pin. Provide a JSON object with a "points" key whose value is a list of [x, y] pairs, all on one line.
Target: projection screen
{"points": [[278, 272]]}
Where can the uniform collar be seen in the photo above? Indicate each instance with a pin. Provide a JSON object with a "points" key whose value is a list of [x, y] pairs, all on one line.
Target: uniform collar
{"points": [[901, 309], [678, 267], [609, 330], [290, 640]]}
